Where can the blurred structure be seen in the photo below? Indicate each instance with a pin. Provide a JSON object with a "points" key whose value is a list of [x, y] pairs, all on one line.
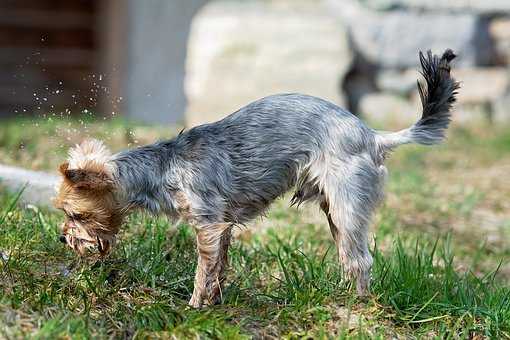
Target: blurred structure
{"points": [[102, 57], [240, 51], [154, 68], [48, 51], [198, 60], [386, 35]]}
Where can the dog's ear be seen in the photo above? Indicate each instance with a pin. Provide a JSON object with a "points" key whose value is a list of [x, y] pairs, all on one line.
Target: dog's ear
{"points": [[85, 178]]}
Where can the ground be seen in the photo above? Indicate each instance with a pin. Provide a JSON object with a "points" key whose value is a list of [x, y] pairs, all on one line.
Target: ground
{"points": [[440, 243]]}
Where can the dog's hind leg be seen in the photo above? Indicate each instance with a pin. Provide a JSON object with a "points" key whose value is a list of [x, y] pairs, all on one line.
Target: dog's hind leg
{"points": [[351, 195], [213, 241]]}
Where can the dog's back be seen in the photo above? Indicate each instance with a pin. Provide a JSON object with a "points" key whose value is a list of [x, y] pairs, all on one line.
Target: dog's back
{"points": [[264, 149]]}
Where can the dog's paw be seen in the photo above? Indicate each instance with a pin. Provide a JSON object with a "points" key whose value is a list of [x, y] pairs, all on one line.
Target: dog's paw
{"points": [[195, 302]]}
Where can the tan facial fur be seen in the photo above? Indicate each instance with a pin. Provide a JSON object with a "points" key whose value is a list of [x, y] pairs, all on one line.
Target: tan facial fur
{"points": [[86, 195]]}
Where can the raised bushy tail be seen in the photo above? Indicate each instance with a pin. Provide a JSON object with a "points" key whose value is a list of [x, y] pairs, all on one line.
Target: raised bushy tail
{"points": [[437, 96]]}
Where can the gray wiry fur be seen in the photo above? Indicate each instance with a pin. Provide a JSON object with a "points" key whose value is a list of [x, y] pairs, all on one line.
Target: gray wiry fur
{"points": [[231, 170]]}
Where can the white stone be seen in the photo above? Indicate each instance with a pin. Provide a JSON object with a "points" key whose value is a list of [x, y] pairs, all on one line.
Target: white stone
{"points": [[500, 28], [242, 51], [481, 85], [500, 33], [398, 82], [39, 186], [388, 111]]}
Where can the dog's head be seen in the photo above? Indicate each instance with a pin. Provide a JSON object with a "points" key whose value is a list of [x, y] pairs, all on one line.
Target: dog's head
{"points": [[87, 197]]}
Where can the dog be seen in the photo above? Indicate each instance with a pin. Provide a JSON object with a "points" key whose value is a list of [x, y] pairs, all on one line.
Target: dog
{"points": [[219, 175]]}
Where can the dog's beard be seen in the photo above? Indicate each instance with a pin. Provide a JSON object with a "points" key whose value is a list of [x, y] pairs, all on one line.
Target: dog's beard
{"points": [[81, 246], [82, 242]]}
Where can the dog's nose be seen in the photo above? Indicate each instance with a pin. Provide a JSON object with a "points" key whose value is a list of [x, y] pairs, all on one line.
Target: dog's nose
{"points": [[62, 239]]}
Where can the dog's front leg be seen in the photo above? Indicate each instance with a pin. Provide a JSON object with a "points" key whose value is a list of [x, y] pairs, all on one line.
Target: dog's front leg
{"points": [[212, 247]]}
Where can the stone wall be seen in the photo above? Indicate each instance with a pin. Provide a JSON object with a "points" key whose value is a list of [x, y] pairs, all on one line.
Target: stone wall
{"points": [[360, 54], [386, 36], [240, 51]]}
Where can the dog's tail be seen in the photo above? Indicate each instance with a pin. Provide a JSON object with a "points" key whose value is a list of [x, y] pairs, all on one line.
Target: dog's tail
{"points": [[437, 97]]}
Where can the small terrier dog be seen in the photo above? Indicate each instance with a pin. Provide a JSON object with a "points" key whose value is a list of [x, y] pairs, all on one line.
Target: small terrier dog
{"points": [[219, 175]]}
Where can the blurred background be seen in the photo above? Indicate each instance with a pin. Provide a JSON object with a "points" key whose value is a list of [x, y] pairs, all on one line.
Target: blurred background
{"points": [[193, 61]]}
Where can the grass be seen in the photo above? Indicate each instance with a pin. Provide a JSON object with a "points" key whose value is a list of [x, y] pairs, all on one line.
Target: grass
{"points": [[440, 248]]}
